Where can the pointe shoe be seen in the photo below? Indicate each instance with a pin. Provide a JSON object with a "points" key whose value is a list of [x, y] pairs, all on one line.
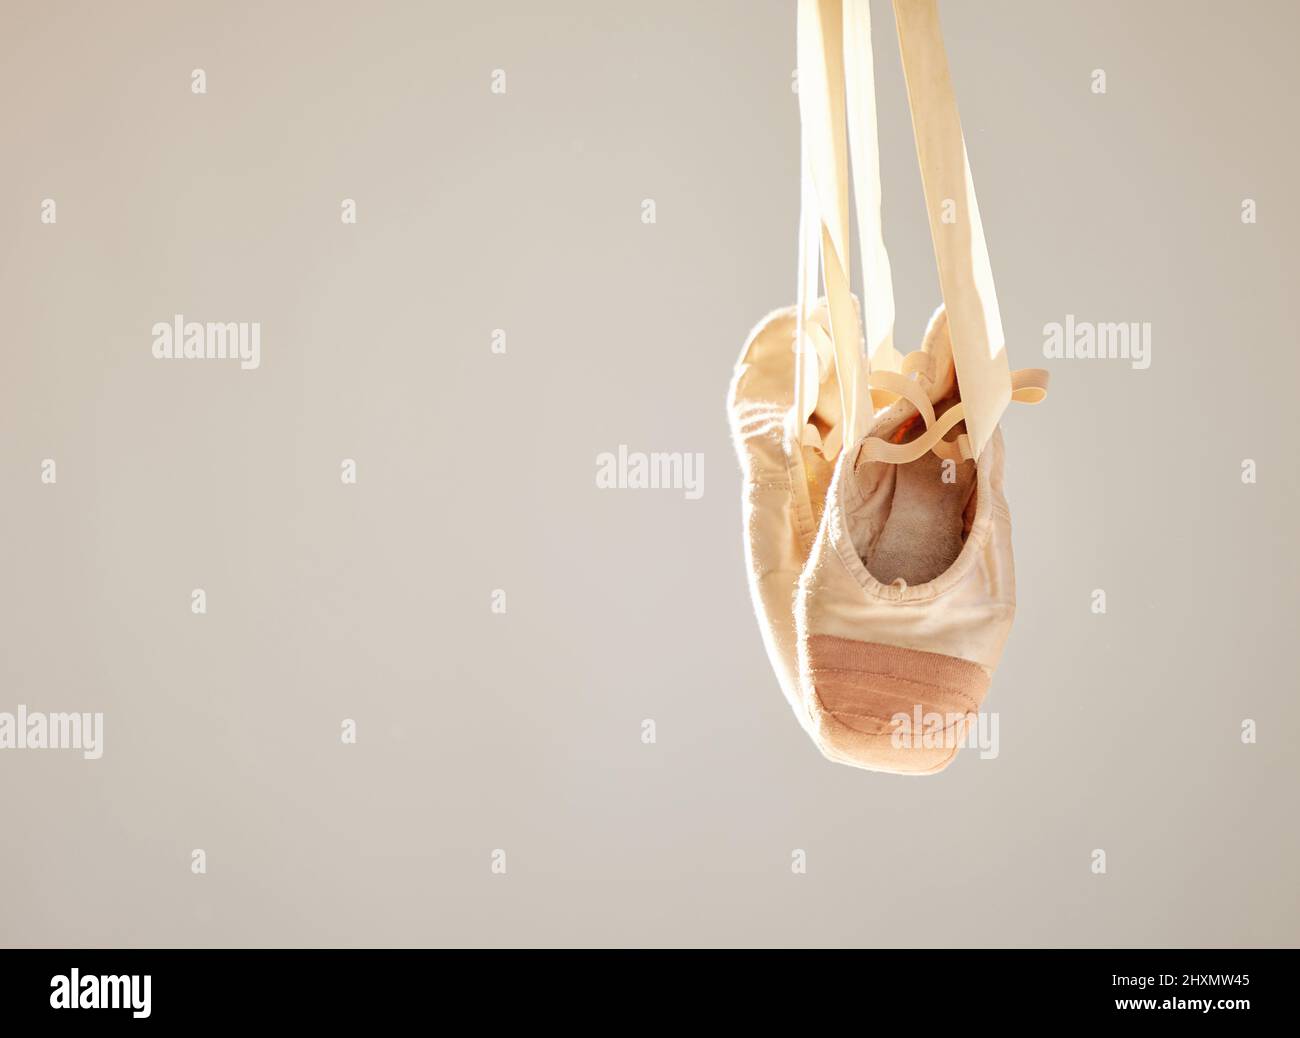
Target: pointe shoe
{"points": [[786, 474], [908, 594]]}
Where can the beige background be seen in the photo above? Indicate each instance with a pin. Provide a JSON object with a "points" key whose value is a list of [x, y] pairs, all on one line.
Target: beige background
{"points": [[476, 472]]}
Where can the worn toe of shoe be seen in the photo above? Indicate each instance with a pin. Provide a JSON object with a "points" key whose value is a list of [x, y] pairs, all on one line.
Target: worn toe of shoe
{"points": [[890, 708]]}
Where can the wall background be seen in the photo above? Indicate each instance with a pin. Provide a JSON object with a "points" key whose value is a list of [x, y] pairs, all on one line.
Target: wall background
{"points": [[522, 212]]}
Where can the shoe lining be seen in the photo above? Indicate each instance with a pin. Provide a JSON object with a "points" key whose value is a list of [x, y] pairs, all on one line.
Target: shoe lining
{"points": [[911, 524]]}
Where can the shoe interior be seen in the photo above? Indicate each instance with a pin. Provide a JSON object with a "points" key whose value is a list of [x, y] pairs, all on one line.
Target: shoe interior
{"points": [[909, 522]]}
